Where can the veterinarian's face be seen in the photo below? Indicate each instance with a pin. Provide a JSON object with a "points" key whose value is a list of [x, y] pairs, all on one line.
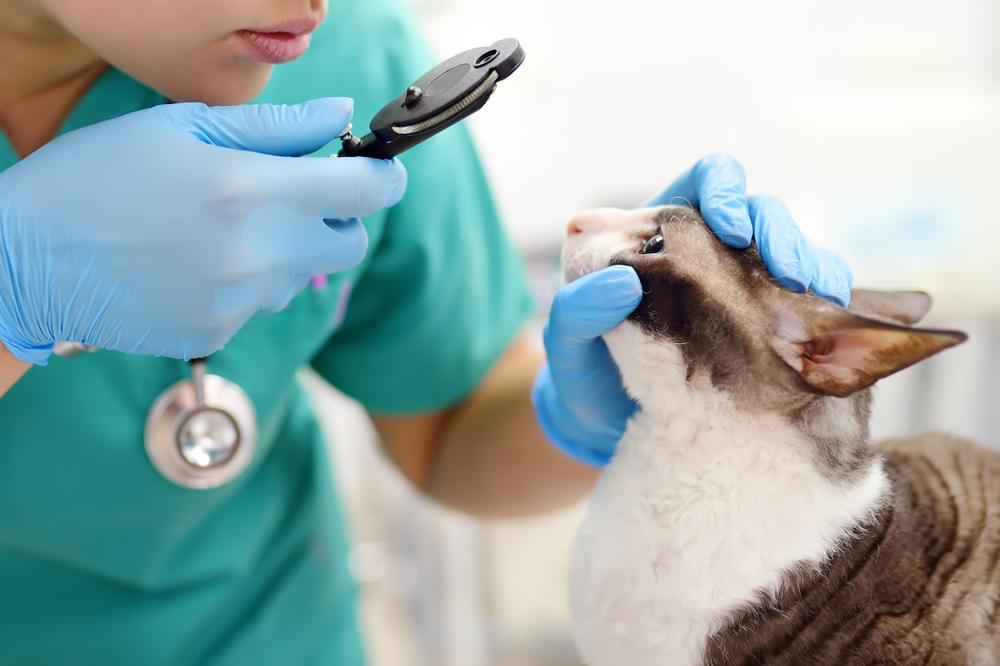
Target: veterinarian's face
{"points": [[214, 51]]}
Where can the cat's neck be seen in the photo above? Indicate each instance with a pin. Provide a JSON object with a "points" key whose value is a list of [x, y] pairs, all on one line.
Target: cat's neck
{"points": [[706, 507], [735, 477], [827, 439], [705, 510], [745, 489], [687, 421]]}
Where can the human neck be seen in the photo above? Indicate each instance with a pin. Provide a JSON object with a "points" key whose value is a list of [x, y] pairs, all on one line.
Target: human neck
{"points": [[44, 70]]}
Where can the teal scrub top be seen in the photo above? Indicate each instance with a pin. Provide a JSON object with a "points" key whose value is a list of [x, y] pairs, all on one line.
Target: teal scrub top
{"points": [[103, 561]]}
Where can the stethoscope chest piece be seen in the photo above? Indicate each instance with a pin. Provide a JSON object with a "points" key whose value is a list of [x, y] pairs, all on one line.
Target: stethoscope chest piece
{"points": [[202, 433]]}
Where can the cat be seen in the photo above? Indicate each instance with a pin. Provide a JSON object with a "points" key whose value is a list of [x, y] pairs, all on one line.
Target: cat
{"points": [[746, 517]]}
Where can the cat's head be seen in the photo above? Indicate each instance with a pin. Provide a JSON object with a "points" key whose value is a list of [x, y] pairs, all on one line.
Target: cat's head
{"points": [[712, 317]]}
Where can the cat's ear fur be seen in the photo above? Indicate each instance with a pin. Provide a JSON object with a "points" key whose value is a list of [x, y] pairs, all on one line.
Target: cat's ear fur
{"points": [[839, 351]]}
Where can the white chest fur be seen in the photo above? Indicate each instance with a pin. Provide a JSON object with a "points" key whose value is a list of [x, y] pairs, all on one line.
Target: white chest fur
{"points": [[701, 510]]}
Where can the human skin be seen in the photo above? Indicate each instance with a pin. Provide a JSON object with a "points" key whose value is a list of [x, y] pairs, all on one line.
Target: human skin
{"points": [[11, 370], [189, 50], [485, 456]]}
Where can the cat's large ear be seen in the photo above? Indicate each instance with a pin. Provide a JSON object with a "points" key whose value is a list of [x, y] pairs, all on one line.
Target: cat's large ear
{"points": [[906, 307], [838, 352]]}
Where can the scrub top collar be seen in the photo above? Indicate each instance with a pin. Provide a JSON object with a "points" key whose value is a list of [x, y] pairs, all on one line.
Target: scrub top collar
{"points": [[112, 94]]}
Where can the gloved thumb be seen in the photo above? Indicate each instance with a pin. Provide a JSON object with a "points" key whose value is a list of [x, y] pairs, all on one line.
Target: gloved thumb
{"points": [[589, 307], [275, 129]]}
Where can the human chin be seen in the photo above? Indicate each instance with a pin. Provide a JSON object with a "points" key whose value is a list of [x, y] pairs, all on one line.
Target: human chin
{"points": [[235, 84]]}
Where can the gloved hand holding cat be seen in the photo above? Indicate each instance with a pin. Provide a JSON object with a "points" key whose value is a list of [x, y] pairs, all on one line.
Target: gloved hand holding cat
{"points": [[578, 395]]}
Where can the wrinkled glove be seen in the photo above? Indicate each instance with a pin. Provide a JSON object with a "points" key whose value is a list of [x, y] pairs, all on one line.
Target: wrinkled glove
{"points": [[578, 395], [163, 231]]}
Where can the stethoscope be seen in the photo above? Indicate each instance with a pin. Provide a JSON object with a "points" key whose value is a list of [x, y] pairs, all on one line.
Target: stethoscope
{"points": [[201, 432]]}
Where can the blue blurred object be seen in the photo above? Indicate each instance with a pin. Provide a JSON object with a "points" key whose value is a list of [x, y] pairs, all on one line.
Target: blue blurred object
{"points": [[927, 229], [163, 231]]}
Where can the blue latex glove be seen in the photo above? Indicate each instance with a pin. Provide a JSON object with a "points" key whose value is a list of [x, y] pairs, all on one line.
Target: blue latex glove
{"points": [[578, 395], [716, 186], [163, 231]]}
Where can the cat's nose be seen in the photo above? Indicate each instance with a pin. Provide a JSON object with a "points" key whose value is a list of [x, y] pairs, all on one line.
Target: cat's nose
{"points": [[600, 220], [592, 220]]}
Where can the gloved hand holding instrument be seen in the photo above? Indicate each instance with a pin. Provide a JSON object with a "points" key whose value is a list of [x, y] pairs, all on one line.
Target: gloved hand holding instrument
{"points": [[162, 231], [578, 395]]}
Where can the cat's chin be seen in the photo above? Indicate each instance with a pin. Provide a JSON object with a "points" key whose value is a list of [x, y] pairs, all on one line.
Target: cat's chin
{"points": [[585, 257], [653, 369]]}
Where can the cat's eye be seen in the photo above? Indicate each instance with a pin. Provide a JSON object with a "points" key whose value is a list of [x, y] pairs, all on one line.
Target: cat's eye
{"points": [[653, 245]]}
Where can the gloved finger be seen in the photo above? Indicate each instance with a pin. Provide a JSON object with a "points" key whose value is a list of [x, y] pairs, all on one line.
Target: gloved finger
{"points": [[335, 246], [275, 129], [291, 289], [264, 291], [338, 188], [833, 278], [585, 423], [787, 253], [587, 308], [716, 186]]}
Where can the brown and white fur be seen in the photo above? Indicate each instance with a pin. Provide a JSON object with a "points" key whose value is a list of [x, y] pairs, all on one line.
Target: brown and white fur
{"points": [[746, 518]]}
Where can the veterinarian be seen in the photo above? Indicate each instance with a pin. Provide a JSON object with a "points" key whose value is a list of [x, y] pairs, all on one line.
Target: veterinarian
{"points": [[155, 233]]}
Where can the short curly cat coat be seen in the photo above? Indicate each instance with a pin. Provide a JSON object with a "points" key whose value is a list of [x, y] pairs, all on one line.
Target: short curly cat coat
{"points": [[746, 517]]}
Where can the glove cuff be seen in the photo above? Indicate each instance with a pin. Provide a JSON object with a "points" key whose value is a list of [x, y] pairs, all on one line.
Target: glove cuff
{"points": [[553, 419], [32, 355], [26, 353]]}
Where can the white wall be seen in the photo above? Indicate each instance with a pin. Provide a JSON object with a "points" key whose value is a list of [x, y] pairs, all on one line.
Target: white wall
{"points": [[877, 121]]}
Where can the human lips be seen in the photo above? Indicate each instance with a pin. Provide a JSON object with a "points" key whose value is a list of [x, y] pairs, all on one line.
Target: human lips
{"points": [[281, 42]]}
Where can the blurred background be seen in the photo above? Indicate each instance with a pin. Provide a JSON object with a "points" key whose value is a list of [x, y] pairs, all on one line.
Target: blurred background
{"points": [[877, 122]]}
